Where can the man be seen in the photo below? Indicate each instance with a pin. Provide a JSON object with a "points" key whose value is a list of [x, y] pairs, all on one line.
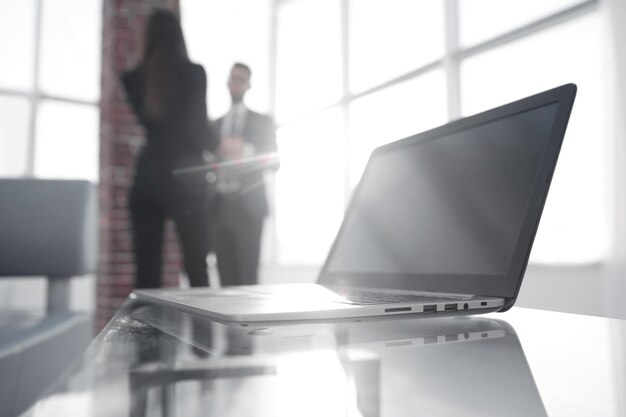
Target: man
{"points": [[247, 149]]}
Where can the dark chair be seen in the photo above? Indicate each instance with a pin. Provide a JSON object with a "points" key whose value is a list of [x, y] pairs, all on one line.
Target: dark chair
{"points": [[47, 228]]}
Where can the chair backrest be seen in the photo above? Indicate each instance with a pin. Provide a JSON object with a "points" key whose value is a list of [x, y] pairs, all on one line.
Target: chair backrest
{"points": [[47, 228]]}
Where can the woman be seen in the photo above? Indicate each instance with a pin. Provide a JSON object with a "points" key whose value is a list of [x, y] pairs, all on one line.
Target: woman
{"points": [[168, 94]]}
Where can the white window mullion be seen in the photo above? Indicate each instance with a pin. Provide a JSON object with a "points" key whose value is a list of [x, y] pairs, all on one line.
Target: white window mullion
{"points": [[451, 61], [34, 93], [345, 100], [272, 253]]}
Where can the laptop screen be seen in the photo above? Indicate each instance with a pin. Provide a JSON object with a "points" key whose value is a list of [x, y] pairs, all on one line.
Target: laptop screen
{"points": [[450, 205]]}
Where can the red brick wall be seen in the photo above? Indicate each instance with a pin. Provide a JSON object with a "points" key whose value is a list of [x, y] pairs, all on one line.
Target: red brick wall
{"points": [[120, 139]]}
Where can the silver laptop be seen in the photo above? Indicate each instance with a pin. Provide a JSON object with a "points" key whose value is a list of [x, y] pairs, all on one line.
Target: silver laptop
{"points": [[441, 223]]}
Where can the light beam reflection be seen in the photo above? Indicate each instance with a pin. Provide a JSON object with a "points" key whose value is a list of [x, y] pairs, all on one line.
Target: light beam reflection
{"points": [[315, 384]]}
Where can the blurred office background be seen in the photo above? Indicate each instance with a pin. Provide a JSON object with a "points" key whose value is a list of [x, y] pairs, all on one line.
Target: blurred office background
{"points": [[341, 77]]}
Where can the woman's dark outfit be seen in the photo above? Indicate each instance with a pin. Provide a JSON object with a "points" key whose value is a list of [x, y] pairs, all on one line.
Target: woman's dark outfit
{"points": [[175, 140]]}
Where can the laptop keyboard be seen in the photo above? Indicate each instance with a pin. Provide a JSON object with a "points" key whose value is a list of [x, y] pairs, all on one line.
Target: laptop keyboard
{"points": [[365, 297]]}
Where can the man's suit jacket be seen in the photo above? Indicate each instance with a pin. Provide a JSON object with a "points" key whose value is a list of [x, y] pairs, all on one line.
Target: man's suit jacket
{"points": [[260, 132]]}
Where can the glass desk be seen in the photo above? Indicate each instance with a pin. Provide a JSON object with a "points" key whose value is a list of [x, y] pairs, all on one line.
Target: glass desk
{"points": [[157, 361]]}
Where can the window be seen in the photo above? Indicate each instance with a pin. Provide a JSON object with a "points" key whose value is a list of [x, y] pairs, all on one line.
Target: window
{"points": [[64, 152], [70, 34], [309, 187], [14, 117], [308, 61], [17, 28], [391, 38], [476, 22], [573, 227], [215, 37], [355, 74], [49, 88]]}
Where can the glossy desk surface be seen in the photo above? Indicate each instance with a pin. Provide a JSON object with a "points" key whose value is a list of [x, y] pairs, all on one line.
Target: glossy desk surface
{"points": [[156, 361]]}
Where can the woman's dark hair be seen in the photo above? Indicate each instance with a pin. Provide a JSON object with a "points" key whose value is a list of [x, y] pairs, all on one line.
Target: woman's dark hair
{"points": [[164, 49]]}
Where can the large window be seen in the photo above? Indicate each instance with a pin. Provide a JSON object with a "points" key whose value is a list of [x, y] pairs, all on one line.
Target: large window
{"points": [[220, 33], [355, 74], [387, 39], [310, 188], [50, 88], [574, 221]]}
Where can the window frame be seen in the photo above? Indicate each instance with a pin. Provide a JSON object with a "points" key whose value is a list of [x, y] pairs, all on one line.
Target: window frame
{"points": [[454, 55], [35, 95]]}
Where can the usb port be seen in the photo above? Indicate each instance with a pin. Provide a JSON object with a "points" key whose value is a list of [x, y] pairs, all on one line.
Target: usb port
{"points": [[452, 337], [430, 308], [450, 307]]}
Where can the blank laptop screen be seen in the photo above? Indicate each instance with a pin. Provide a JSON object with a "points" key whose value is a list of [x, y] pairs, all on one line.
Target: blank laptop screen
{"points": [[452, 204]]}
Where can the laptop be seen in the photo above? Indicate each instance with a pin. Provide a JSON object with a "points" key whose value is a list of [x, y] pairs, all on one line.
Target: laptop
{"points": [[441, 223]]}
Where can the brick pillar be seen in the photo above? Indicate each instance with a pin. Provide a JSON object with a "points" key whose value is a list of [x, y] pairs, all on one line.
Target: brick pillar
{"points": [[120, 139]]}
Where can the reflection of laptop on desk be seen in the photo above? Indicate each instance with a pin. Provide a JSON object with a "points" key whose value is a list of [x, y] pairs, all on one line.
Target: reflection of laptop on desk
{"points": [[466, 366], [441, 222]]}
